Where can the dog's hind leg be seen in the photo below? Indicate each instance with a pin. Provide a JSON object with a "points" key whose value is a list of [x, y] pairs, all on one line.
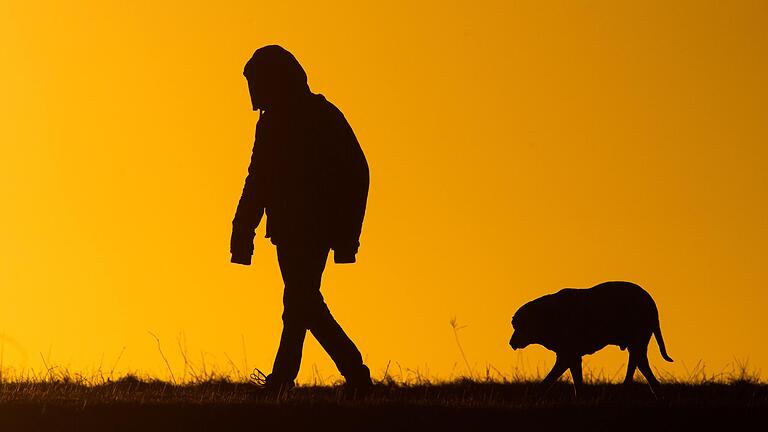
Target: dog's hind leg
{"points": [[645, 368], [631, 366]]}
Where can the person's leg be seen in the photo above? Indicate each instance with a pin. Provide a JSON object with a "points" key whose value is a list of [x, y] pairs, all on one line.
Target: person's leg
{"points": [[302, 268], [338, 345], [299, 278], [336, 342], [288, 357]]}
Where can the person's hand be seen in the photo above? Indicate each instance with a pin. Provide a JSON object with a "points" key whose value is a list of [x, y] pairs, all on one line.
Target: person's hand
{"points": [[241, 245], [344, 256], [244, 259]]}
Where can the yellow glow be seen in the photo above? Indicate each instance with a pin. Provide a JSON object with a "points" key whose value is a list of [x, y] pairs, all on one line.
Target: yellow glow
{"points": [[516, 147]]}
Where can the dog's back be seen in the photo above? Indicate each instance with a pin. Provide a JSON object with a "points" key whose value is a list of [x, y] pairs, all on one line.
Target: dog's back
{"points": [[611, 313]]}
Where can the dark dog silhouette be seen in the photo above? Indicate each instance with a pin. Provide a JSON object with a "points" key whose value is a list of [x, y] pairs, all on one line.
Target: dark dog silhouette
{"points": [[575, 322]]}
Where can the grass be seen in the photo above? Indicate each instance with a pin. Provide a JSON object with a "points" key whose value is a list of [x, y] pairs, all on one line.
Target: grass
{"points": [[61, 401], [202, 398]]}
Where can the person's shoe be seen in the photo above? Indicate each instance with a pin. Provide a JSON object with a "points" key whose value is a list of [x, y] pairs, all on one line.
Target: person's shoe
{"points": [[269, 385], [358, 386]]}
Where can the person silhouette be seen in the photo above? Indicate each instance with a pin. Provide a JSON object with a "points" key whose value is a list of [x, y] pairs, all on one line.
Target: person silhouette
{"points": [[309, 175]]}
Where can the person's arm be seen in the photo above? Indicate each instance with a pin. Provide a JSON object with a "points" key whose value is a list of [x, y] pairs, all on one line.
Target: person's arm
{"points": [[250, 208], [351, 184]]}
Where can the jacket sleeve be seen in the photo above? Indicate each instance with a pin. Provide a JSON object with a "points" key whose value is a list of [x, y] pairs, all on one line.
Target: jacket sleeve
{"points": [[350, 183], [250, 208]]}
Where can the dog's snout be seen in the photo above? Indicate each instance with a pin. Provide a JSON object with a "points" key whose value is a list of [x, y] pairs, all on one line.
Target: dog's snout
{"points": [[514, 341]]}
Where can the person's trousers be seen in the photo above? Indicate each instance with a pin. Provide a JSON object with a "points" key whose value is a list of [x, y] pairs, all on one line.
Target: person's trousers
{"points": [[304, 309]]}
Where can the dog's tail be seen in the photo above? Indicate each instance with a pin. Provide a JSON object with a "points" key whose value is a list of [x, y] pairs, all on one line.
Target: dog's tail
{"points": [[660, 340]]}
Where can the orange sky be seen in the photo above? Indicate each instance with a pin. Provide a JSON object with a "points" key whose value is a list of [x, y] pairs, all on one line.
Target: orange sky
{"points": [[515, 148]]}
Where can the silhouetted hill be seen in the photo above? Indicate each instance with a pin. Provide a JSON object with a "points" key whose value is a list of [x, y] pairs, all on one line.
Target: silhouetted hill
{"points": [[132, 404]]}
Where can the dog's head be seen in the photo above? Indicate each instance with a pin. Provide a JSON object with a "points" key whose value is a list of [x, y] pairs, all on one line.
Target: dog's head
{"points": [[525, 323], [533, 323]]}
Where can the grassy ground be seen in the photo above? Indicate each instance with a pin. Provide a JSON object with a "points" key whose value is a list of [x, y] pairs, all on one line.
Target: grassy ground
{"points": [[133, 404]]}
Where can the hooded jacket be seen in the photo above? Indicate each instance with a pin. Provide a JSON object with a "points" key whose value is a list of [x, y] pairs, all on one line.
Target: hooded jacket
{"points": [[308, 174]]}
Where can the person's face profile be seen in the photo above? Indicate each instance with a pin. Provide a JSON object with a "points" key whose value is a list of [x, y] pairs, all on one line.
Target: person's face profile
{"points": [[268, 92], [256, 91]]}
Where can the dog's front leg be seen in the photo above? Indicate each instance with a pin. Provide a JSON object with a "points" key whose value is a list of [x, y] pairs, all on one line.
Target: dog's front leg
{"points": [[561, 364]]}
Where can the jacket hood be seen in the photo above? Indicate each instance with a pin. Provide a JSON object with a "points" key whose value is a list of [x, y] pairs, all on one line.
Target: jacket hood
{"points": [[275, 66]]}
